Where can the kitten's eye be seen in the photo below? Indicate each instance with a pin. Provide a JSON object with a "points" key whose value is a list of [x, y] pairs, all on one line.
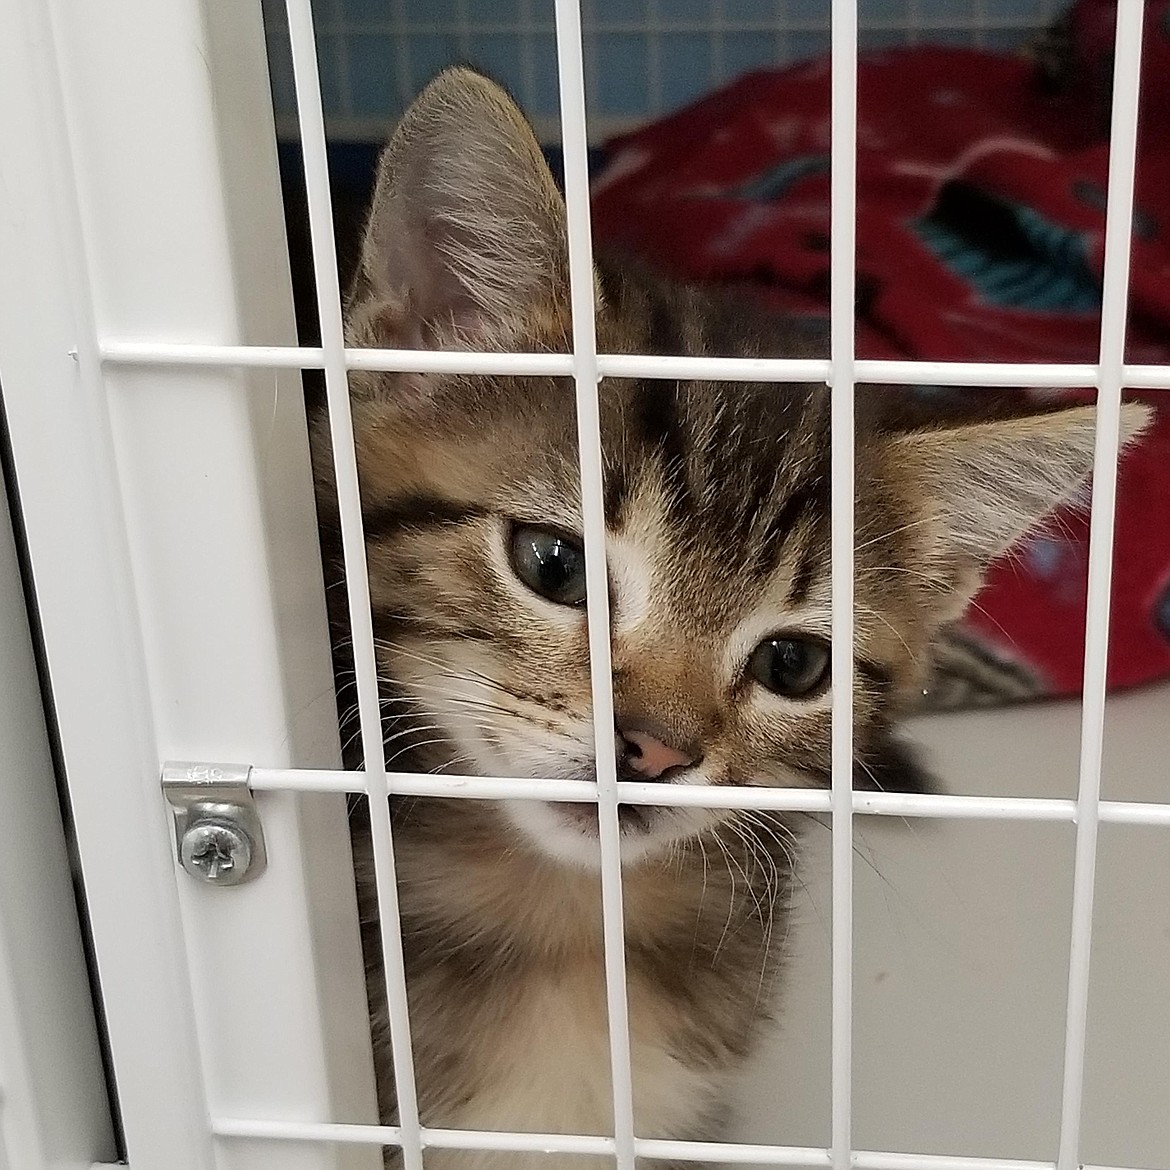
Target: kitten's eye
{"points": [[794, 667], [549, 563]]}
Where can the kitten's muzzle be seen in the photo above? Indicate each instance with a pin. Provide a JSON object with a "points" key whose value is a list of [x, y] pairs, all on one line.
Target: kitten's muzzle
{"points": [[631, 817], [648, 752]]}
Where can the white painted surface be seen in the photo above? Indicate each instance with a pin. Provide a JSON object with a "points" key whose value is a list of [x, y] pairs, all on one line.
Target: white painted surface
{"points": [[961, 949], [174, 549], [54, 1113]]}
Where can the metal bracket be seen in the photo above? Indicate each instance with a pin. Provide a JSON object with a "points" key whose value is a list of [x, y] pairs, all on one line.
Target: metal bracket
{"points": [[218, 835]]}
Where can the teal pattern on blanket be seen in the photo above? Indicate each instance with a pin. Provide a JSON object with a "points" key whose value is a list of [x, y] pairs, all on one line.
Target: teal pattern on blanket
{"points": [[1010, 254], [775, 183]]}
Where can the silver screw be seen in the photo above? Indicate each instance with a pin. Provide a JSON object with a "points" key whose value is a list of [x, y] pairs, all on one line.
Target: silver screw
{"points": [[216, 852]]}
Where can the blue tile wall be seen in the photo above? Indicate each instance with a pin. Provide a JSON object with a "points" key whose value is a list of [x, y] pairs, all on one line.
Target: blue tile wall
{"points": [[643, 57], [619, 63], [745, 51], [433, 12], [685, 61], [505, 13], [372, 87]]}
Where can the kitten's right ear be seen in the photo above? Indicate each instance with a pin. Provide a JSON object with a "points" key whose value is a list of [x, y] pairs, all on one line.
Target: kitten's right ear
{"points": [[465, 245], [985, 484]]}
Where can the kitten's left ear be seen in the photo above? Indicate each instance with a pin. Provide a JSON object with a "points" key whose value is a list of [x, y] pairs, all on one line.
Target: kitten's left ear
{"points": [[466, 239], [987, 483]]}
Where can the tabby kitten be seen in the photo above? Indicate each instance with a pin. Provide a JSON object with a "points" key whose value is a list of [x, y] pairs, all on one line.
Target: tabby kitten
{"points": [[717, 509]]}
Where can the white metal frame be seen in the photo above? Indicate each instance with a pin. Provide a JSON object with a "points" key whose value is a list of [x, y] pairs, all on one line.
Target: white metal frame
{"points": [[53, 1102], [114, 358], [172, 540]]}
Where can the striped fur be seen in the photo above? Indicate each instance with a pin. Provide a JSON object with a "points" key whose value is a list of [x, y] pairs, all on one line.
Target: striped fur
{"points": [[717, 509]]}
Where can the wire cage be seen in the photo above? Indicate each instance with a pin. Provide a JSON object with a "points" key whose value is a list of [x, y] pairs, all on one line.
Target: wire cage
{"points": [[148, 360]]}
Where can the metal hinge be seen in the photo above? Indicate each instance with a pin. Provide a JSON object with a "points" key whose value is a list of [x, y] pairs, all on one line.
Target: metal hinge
{"points": [[218, 834]]}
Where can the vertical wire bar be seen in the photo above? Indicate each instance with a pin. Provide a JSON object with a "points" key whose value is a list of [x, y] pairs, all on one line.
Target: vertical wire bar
{"points": [[1114, 304], [328, 288], [570, 66], [843, 233]]}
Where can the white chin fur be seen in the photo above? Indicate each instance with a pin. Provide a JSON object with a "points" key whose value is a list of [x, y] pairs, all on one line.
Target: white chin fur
{"points": [[546, 828]]}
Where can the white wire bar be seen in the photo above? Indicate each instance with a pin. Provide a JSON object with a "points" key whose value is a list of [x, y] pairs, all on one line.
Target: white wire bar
{"points": [[328, 288], [842, 264], [930, 806], [1052, 375], [975, 375], [1114, 304], [727, 1153], [587, 377]]}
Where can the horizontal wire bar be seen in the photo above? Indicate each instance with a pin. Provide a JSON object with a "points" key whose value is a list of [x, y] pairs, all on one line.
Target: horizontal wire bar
{"points": [[931, 806], [423, 361], [881, 1161], [977, 373], [421, 784], [737, 369], [540, 1143], [725, 796], [426, 361], [1146, 377], [939, 806], [1128, 812], [178, 353], [732, 369], [341, 1133], [730, 1153], [391, 1135]]}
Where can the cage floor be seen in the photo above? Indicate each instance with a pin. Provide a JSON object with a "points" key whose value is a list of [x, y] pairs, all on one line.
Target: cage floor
{"points": [[961, 953]]}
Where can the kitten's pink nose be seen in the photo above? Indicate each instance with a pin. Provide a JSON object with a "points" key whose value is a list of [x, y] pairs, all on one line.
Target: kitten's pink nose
{"points": [[650, 757]]}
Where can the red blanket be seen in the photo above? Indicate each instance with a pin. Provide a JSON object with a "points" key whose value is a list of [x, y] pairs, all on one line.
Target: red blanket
{"points": [[980, 237]]}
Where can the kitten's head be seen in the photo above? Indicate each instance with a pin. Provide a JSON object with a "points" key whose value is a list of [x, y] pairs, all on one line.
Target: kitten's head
{"points": [[717, 504]]}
